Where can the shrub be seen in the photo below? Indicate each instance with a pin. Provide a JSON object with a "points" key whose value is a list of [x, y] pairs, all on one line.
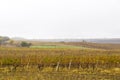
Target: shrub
{"points": [[25, 44]]}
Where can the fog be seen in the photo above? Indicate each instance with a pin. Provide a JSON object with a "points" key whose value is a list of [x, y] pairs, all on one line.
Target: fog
{"points": [[56, 19]]}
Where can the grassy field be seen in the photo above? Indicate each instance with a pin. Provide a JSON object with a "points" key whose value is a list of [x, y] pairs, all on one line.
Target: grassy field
{"points": [[61, 62], [105, 46], [59, 46]]}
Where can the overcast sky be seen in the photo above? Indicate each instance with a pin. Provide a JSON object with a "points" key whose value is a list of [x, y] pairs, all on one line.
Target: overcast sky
{"points": [[60, 18]]}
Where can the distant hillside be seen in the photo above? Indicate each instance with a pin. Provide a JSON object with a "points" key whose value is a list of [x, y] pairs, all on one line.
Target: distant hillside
{"points": [[94, 45], [112, 40], [18, 38], [89, 43]]}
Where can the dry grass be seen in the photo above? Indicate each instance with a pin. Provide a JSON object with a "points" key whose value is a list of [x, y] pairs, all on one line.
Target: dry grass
{"points": [[76, 63]]}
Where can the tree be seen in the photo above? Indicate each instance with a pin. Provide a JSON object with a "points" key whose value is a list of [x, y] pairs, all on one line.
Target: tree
{"points": [[83, 41], [25, 44], [11, 42], [3, 40]]}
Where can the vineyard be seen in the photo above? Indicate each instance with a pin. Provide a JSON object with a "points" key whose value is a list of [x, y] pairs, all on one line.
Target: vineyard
{"points": [[52, 63]]}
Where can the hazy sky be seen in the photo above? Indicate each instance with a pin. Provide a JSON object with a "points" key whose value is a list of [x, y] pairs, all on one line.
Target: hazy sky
{"points": [[60, 18]]}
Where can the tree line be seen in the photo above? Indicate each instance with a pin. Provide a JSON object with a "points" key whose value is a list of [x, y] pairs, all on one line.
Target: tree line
{"points": [[7, 41]]}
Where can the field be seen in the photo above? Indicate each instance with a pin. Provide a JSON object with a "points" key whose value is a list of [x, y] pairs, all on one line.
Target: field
{"points": [[59, 46], [59, 62]]}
